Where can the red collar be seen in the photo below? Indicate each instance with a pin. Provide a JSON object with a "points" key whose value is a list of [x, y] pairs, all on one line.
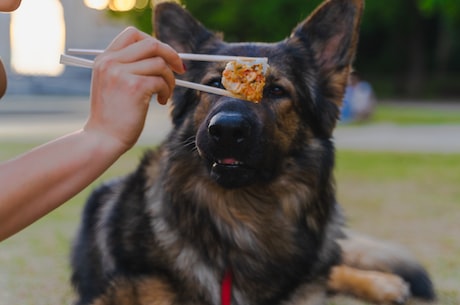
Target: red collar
{"points": [[226, 288]]}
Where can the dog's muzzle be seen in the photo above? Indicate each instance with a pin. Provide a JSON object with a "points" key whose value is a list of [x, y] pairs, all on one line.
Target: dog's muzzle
{"points": [[228, 141]]}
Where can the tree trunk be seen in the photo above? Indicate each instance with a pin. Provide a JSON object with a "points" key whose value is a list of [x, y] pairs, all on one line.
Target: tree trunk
{"points": [[416, 69], [444, 47]]}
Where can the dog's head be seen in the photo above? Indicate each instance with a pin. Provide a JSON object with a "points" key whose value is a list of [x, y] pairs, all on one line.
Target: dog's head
{"points": [[241, 143]]}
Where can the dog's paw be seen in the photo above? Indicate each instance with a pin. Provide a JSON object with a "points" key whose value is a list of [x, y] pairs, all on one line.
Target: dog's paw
{"points": [[388, 288], [374, 286]]}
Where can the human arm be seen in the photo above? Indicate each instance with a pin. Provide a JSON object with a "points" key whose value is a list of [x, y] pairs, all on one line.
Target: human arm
{"points": [[38, 181], [133, 68]]}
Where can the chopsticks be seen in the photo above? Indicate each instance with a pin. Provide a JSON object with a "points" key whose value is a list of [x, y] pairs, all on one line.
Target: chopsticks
{"points": [[86, 63], [75, 61], [184, 56], [67, 59]]}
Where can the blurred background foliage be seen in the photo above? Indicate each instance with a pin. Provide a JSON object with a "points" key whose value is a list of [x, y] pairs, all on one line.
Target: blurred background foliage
{"points": [[408, 48]]}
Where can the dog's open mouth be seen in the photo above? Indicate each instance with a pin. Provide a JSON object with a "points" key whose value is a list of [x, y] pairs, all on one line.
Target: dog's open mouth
{"points": [[230, 166], [230, 162], [232, 173]]}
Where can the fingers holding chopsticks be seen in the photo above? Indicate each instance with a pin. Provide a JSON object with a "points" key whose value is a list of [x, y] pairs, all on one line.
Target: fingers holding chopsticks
{"points": [[146, 63], [134, 45], [144, 77], [125, 76]]}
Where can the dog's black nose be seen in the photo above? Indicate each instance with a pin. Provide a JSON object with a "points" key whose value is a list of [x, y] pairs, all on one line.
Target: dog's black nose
{"points": [[229, 128]]}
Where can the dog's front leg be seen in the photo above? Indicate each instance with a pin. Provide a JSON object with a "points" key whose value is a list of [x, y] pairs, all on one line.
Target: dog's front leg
{"points": [[374, 286]]}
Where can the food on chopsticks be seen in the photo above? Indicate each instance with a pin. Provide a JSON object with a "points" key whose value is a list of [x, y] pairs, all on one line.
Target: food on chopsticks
{"points": [[245, 78]]}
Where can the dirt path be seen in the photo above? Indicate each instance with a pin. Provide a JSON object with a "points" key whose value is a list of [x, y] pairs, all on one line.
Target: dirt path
{"points": [[388, 137]]}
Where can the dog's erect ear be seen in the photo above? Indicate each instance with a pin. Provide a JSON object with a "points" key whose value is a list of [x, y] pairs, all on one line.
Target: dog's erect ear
{"points": [[178, 28], [331, 33]]}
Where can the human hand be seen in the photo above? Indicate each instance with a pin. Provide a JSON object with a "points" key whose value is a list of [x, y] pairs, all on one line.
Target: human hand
{"points": [[9, 5], [134, 67]]}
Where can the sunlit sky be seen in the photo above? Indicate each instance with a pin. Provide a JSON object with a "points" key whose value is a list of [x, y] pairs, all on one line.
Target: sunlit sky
{"points": [[97, 4], [116, 5]]}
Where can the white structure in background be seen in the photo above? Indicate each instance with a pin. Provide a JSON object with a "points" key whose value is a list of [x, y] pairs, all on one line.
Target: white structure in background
{"points": [[46, 48], [33, 37]]}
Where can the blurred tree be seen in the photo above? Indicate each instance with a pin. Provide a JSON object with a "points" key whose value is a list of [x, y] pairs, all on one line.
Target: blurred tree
{"points": [[448, 29], [411, 42], [256, 20], [140, 18]]}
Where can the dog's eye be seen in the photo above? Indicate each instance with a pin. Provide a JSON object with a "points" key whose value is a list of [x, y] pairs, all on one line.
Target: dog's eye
{"points": [[215, 82], [276, 92]]}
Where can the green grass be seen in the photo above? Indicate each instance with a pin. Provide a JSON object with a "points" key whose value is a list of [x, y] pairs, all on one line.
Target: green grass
{"points": [[408, 198], [412, 199]]}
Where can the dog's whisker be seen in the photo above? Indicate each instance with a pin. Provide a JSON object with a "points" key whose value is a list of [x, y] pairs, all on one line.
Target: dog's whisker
{"points": [[189, 142], [188, 145]]}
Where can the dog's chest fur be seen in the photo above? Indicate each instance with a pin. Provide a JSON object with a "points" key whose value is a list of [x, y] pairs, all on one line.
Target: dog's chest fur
{"points": [[269, 250]]}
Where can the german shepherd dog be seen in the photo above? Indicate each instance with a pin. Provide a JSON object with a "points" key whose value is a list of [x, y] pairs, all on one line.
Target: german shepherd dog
{"points": [[238, 206]]}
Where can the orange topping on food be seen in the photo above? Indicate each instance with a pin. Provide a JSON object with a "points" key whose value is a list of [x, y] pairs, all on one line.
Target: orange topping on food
{"points": [[245, 79]]}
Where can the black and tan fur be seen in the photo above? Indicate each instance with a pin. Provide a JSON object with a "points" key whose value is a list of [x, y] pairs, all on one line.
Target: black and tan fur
{"points": [[236, 185]]}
